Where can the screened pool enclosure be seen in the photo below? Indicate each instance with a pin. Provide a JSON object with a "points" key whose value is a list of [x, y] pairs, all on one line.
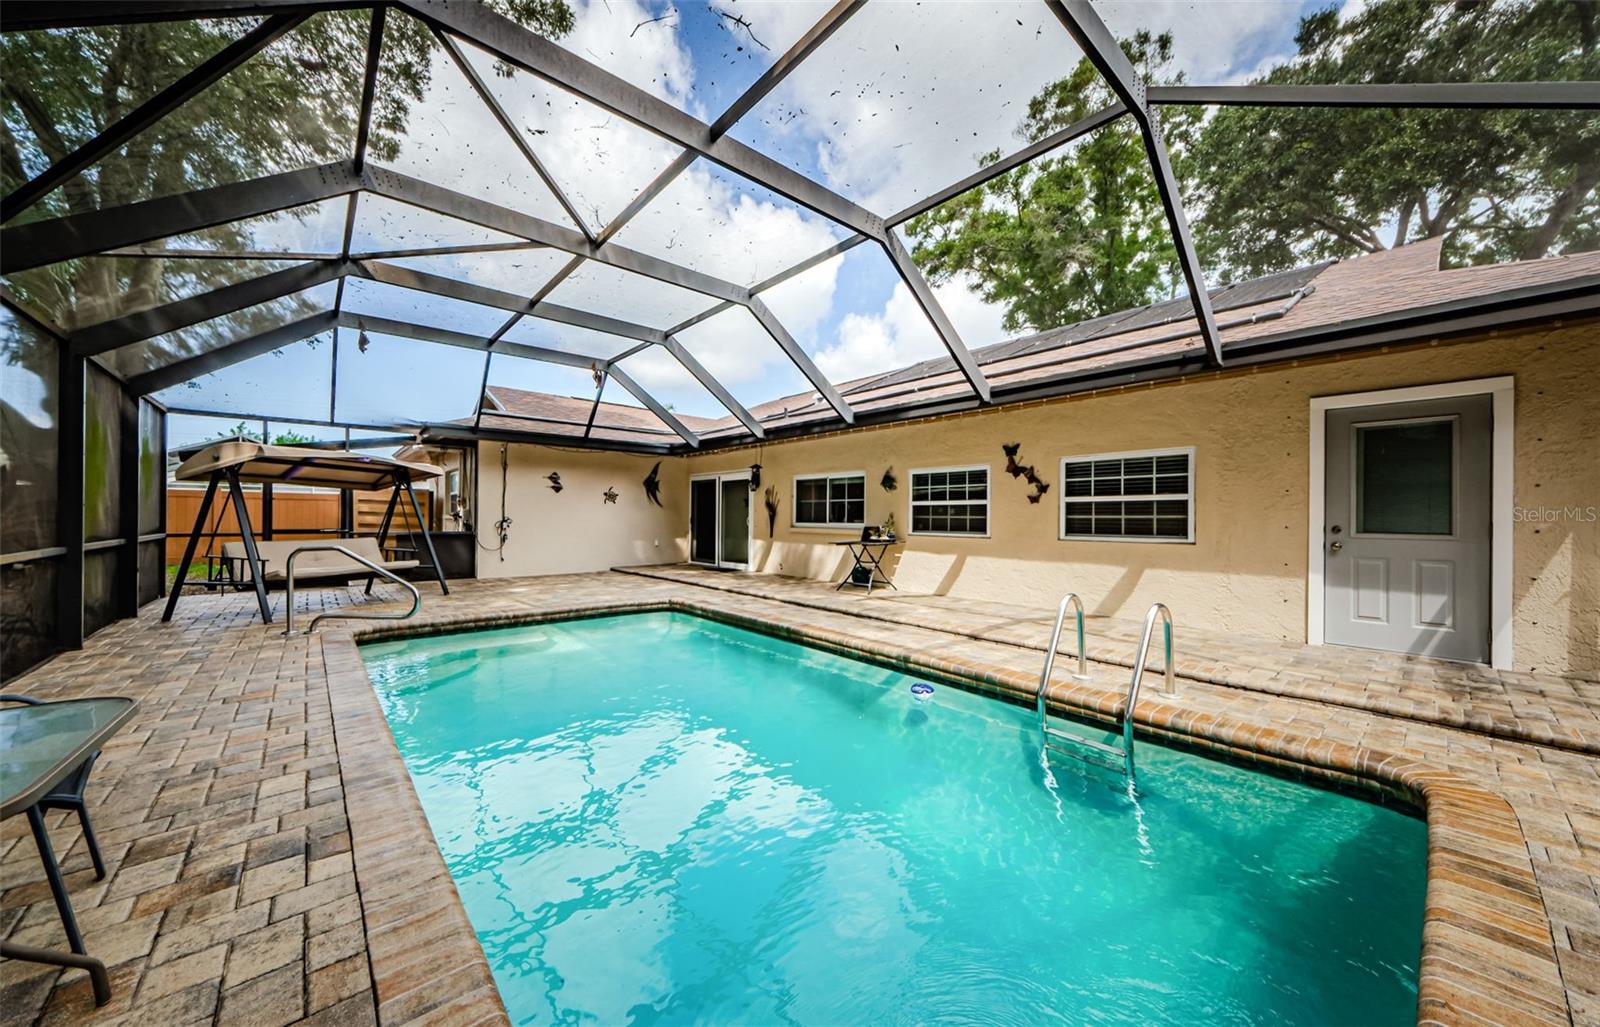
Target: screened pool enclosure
{"points": [[351, 221]]}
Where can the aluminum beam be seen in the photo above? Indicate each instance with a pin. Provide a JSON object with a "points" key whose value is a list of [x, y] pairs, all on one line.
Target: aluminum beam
{"points": [[452, 288], [143, 251], [654, 407], [233, 353], [1486, 95], [30, 15], [801, 359], [594, 408], [369, 90], [108, 335], [1101, 47], [358, 425], [440, 200], [461, 340], [78, 235], [523, 48], [713, 386], [923, 293], [148, 113]]}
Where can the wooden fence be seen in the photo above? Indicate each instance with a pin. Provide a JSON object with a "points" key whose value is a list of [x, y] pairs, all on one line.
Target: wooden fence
{"points": [[295, 515]]}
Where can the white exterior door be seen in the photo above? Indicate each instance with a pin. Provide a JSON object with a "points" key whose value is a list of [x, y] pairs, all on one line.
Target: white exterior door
{"points": [[1407, 527]]}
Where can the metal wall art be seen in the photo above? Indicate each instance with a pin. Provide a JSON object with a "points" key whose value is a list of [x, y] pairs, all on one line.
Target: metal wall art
{"points": [[652, 484], [1024, 471]]}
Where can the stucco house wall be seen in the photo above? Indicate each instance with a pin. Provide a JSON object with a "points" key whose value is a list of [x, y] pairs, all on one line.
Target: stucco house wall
{"points": [[576, 530], [1247, 569]]}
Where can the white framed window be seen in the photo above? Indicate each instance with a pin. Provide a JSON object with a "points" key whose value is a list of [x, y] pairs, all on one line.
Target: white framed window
{"points": [[950, 501], [1145, 496], [834, 500]]}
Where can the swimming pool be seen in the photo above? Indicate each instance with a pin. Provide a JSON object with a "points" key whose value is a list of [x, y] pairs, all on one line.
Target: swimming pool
{"points": [[655, 818]]}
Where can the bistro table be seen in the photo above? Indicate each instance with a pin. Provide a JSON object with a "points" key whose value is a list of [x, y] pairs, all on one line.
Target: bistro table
{"points": [[40, 746], [869, 555]]}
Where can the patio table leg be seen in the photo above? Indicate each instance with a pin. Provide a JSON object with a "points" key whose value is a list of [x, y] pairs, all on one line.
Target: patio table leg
{"points": [[52, 873]]}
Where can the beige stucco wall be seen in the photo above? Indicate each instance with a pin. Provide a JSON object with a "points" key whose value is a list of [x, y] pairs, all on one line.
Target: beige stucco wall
{"points": [[1247, 570], [576, 530]]}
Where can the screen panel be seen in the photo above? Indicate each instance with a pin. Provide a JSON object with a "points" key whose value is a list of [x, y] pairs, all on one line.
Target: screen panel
{"points": [[894, 104], [294, 381], [78, 80], [292, 105], [29, 433], [102, 451], [161, 350]]}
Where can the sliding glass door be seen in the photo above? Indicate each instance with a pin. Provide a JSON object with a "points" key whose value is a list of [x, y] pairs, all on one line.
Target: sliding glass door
{"points": [[719, 520]]}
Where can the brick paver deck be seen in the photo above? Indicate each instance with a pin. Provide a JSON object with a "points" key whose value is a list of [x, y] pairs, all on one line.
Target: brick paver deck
{"points": [[1548, 709], [268, 861]]}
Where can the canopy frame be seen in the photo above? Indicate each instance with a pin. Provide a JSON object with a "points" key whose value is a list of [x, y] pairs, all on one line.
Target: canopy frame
{"points": [[121, 229]]}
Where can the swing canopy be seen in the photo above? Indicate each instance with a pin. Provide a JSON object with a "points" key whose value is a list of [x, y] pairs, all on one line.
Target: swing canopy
{"points": [[255, 462]]}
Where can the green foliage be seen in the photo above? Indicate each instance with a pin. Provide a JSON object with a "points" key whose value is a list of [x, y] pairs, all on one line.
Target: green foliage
{"points": [[1070, 236], [1081, 233], [245, 431], [294, 104], [1280, 186]]}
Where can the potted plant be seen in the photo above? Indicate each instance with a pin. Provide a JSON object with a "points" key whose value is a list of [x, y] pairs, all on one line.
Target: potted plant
{"points": [[888, 527]]}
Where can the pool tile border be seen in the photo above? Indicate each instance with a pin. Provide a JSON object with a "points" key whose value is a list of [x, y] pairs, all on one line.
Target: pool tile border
{"points": [[1487, 955]]}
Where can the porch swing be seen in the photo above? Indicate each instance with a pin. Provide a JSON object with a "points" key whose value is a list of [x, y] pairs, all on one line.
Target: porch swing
{"points": [[260, 565]]}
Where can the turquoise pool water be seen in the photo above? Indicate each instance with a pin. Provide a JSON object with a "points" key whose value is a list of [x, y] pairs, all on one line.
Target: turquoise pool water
{"points": [[661, 819]]}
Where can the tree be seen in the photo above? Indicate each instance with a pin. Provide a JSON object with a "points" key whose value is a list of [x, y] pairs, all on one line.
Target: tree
{"points": [[1281, 186], [1069, 236], [243, 430], [1271, 188], [294, 104]]}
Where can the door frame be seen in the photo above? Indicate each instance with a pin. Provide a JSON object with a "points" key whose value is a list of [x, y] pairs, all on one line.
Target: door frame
{"points": [[1502, 474], [749, 520]]}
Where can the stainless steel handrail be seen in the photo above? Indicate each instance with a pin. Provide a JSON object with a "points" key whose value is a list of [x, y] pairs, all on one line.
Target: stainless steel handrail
{"points": [[1169, 688], [1055, 640], [288, 615]]}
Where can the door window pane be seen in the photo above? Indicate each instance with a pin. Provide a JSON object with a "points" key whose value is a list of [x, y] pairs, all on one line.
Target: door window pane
{"points": [[735, 520], [1405, 478], [703, 520]]}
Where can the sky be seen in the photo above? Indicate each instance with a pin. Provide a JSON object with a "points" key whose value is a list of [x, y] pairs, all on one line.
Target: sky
{"points": [[900, 101]]}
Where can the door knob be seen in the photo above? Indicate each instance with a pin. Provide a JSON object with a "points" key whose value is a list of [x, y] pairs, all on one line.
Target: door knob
{"points": [[1336, 546]]}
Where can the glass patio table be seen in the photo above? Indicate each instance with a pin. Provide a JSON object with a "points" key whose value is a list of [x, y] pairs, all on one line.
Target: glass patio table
{"points": [[40, 747]]}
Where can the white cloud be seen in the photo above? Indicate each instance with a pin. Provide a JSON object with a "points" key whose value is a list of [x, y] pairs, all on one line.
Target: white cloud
{"points": [[1212, 39], [873, 343], [902, 100], [623, 37], [600, 161], [976, 319], [707, 220]]}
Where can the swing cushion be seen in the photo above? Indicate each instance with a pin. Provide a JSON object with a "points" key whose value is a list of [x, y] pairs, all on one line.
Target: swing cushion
{"points": [[314, 563]]}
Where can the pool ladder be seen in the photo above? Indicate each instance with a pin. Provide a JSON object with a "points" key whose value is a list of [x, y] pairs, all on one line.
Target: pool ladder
{"points": [[1068, 744]]}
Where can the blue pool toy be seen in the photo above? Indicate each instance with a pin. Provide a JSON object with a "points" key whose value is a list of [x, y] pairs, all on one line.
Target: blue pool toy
{"points": [[921, 690]]}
